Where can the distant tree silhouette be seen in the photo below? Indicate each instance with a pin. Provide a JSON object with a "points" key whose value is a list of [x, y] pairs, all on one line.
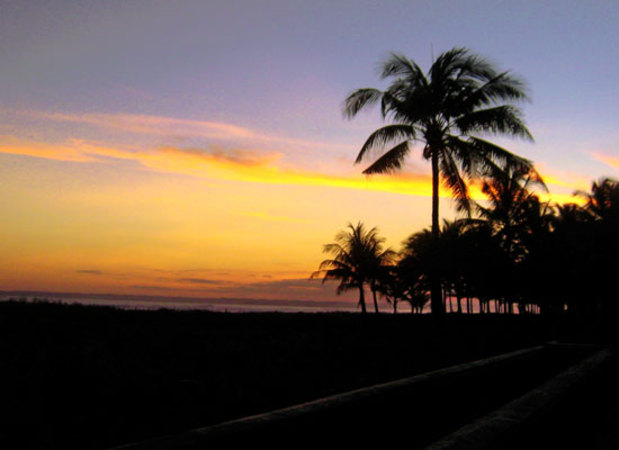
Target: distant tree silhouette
{"points": [[510, 205], [381, 268], [603, 200], [461, 97], [358, 259], [392, 286], [572, 255], [419, 258], [603, 245], [406, 281]]}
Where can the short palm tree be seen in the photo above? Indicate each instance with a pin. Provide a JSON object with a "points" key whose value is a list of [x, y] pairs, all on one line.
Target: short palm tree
{"points": [[358, 258], [603, 201], [511, 205], [461, 97]]}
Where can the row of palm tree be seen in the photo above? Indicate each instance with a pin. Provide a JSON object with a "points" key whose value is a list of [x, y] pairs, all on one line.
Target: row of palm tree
{"points": [[516, 253], [461, 98], [503, 250]]}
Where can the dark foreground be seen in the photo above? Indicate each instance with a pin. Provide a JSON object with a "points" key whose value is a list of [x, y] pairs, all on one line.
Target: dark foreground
{"points": [[90, 377]]}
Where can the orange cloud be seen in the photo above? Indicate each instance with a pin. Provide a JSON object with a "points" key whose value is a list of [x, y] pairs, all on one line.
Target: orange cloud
{"points": [[217, 156], [261, 167], [231, 165], [561, 198], [73, 153], [266, 168]]}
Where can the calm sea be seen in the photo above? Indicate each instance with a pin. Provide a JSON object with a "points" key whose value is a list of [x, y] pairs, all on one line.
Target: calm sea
{"points": [[220, 305]]}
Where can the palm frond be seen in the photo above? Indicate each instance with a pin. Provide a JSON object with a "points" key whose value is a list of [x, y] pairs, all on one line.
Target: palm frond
{"points": [[455, 183], [495, 153], [504, 119], [502, 87], [333, 248], [391, 160], [399, 65], [383, 135], [359, 99]]}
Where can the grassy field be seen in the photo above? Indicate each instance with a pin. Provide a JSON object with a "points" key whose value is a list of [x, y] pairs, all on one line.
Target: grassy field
{"points": [[92, 377]]}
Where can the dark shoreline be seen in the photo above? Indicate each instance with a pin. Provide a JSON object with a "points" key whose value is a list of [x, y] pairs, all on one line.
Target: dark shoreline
{"points": [[93, 377], [60, 296], [173, 302]]}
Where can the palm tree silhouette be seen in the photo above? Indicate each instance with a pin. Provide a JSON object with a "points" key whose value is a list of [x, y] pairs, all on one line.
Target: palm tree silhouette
{"points": [[460, 97], [603, 200], [358, 258], [512, 208]]}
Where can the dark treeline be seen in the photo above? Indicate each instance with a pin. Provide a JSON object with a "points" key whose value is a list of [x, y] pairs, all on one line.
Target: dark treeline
{"points": [[514, 254]]}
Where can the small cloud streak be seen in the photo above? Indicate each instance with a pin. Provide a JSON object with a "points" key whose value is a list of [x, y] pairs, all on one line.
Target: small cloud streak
{"points": [[172, 127], [154, 287], [565, 181], [152, 125], [200, 281], [610, 161], [89, 271], [60, 152]]}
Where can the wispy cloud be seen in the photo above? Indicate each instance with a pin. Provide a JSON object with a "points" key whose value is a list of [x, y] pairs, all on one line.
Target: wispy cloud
{"points": [[562, 185], [153, 287], [59, 152], [255, 166], [200, 281], [89, 271], [563, 179], [216, 163], [162, 126], [609, 160]]}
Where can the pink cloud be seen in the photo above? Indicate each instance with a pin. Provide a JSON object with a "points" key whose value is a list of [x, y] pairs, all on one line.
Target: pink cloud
{"points": [[175, 127], [609, 160]]}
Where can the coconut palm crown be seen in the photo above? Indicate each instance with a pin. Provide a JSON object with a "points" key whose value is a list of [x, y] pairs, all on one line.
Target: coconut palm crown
{"points": [[358, 256], [461, 98]]}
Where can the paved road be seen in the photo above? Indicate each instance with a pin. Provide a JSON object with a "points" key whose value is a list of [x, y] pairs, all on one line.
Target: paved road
{"points": [[588, 419]]}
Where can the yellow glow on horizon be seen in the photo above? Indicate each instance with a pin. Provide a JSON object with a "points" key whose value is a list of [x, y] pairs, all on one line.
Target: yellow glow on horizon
{"points": [[88, 217]]}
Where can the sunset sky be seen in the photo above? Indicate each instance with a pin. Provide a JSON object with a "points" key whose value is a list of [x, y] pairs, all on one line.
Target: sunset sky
{"points": [[198, 148]]}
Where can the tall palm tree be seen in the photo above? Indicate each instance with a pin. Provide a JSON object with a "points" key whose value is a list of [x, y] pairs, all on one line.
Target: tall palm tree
{"points": [[461, 97], [358, 258]]}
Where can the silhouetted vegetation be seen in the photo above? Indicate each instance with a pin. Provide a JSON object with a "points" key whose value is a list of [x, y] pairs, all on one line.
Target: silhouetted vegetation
{"points": [[460, 98], [358, 259], [516, 254], [511, 253]]}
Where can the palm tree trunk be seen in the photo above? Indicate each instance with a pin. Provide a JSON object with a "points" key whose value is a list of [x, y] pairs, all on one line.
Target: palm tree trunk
{"points": [[436, 299], [362, 299], [375, 301]]}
